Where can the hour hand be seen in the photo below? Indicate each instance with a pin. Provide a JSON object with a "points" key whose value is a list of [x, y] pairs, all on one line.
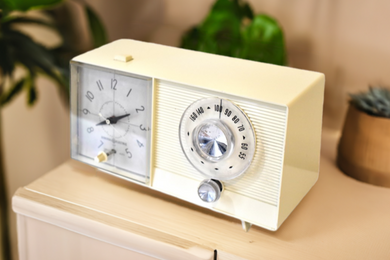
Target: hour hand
{"points": [[111, 120], [117, 118]]}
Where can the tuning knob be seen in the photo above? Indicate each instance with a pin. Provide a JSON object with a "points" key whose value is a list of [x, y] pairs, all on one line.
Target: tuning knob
{"points": [[213, 140], [210, 190]]}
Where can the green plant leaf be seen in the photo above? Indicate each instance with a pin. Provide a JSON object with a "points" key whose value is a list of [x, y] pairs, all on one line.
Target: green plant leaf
{"points": [[32, 94], [236, 8], [28, 52], [7, 61], [220, 34], [246, 11], [35, 57], [5, 6], [25, 5], [191, 39], [98, 32], [12, 92], [11, 20], [224, 31], [263, 41]]}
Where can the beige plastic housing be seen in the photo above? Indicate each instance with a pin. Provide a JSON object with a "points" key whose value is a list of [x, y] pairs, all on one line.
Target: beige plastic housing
{"points": [[283, 104]]}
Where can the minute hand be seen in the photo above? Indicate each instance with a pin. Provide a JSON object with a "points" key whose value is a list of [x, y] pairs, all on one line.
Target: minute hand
{"points": [[117, 118], [112, 120]]}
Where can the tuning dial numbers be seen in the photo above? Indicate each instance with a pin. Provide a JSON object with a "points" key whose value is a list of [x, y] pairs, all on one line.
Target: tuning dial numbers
{"points": [[217, 138]]}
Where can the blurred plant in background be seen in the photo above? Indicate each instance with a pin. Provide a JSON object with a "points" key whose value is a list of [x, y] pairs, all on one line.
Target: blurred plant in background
{"points": [[232, 29], [19, 50]]}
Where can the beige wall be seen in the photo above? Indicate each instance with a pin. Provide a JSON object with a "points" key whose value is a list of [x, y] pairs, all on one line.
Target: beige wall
{"points": [[347, 40]]}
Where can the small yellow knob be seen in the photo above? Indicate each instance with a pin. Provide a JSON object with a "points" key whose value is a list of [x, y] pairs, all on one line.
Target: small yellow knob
{"points": [[101, 157]]}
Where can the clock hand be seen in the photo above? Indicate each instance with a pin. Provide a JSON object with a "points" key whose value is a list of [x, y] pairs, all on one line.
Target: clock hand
{"points": [[112, 120], [117, 118], [106, 121]]}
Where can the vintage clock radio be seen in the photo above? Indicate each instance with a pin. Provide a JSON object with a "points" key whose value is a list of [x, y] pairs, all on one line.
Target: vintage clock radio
{"points": [[238, 137]]}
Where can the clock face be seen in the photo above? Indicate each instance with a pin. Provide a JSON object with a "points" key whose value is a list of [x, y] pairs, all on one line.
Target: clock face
{"points": [[111, 121]]}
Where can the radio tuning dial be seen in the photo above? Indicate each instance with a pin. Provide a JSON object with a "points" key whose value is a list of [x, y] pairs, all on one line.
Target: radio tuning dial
{"points": [[217, 138], [210, 190]]}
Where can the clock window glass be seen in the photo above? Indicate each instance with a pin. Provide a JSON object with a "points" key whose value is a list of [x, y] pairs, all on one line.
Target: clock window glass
{"points": [[111, 121]]}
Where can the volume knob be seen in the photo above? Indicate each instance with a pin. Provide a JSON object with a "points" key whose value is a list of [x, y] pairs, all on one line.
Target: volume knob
{"points": [[210, 190]]}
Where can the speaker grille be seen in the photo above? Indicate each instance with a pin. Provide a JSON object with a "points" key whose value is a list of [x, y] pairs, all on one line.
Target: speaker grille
{"points": [[262, 179]]}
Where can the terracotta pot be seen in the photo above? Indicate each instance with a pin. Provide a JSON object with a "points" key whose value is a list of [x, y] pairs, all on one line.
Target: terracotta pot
{"points": [[364, 148]]}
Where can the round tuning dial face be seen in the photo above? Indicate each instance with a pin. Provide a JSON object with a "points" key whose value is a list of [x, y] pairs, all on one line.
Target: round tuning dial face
{"points": [[217, 138]]}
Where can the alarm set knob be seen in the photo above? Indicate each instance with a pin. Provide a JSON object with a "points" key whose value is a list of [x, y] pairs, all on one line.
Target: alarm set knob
{"points": [[210, 190], [103, 156]]}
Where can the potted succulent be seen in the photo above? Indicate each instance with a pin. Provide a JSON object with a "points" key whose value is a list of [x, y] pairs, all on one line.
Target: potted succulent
{"points": [[364, 147]]}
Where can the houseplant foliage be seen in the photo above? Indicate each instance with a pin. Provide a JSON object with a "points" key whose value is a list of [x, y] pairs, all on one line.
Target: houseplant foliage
{"points": [[232, 29], [19, 50], [364, 148]]}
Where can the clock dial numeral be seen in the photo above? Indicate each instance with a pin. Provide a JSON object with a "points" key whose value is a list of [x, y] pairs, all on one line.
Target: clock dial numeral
{"points": [[144, 128], [100, 85], [129, 154], [85, 111], [90, 96], [101, 144], [113, 84], [140, 144], [129, 92], [90, 129], [140, 109]]}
